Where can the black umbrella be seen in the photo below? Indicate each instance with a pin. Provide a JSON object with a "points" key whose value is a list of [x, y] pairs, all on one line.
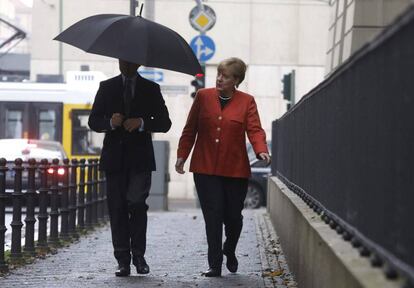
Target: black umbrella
{"points": [[133, 39]]}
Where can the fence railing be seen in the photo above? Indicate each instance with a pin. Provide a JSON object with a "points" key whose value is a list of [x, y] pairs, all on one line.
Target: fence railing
{"points": [[347, 149], [60, 199]]}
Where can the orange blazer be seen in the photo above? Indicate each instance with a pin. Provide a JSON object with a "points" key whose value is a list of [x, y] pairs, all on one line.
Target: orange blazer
{"points": [[220, 148]]}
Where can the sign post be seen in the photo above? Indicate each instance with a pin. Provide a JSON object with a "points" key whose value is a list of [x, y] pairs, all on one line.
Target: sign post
{"points": [[202, 18]]}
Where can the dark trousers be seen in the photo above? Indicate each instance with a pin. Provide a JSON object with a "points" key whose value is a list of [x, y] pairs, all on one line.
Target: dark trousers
{"points": [[222, 201], [127, 192]]}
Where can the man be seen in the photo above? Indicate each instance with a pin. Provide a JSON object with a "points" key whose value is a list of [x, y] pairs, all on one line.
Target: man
{"points": [[128, 108]]}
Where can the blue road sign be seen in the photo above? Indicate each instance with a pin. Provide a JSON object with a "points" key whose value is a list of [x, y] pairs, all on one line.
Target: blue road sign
{"points": [[153, 75], [203, 47]]}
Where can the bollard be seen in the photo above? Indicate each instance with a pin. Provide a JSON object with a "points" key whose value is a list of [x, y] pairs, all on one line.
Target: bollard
{"points": [[29, 247], [81, 199], [88, 218], [104, 198], [16, 224], [54, 212], [43, 215], [101, 203], [3, 169], [64, 208], [94, 183], [72, 199]]}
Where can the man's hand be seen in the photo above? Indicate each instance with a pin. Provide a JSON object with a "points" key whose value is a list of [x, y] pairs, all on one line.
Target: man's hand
{"points": [[179, 166], [116, 120], [132, 124]]}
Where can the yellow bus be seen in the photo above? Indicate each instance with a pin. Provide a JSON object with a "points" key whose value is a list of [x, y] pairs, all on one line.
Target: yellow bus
{"points": [[52, 111]]}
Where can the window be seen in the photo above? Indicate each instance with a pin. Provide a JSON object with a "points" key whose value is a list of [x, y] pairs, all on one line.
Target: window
{"points": [[47, 125], [84, 140], [14, 124]]}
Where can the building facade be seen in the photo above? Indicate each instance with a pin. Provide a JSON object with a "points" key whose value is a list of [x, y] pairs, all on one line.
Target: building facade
{"points": [[355, 22]]}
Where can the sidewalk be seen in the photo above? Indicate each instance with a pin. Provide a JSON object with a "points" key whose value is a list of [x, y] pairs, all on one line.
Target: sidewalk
{"points": [[176, 253]]}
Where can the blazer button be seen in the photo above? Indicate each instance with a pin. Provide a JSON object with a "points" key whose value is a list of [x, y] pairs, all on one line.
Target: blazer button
{"points": [[218, 128], [219, 117], [217, 140]]}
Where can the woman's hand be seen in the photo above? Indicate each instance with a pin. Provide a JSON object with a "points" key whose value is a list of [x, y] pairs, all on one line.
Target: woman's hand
{"points": [[179, 166], [266, 157]]}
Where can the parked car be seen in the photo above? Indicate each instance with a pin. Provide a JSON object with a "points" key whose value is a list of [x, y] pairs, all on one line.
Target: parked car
{"points": [[257, 185], [11, 149]]}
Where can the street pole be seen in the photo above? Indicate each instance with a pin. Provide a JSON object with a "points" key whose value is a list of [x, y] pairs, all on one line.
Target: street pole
{"points": [[132, 5], [199, 4], [202, 63], [60, 43], [149, 12]]}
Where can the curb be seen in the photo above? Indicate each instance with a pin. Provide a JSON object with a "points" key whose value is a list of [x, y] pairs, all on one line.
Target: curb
{"points": [[275, 270]]}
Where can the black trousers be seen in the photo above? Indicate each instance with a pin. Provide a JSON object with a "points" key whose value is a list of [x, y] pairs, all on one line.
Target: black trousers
{"points": [[222, 201], [126, 193]]}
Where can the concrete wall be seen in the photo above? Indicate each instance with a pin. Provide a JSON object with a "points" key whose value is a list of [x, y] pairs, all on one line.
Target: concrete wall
{"points": [[316, 254]]}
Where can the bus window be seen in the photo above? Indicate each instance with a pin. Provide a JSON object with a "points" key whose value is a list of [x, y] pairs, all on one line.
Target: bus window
{"points": [[47, 125], [14, 124], [84, 140]]}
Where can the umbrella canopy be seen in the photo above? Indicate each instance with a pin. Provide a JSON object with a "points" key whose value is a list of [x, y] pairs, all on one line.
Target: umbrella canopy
{"points": [[133, 39]]}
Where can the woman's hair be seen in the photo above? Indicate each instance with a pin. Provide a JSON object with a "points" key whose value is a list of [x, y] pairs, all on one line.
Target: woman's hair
{"points": [[236, 67]]}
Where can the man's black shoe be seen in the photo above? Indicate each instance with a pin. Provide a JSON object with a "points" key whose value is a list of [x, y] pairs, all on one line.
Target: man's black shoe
{"points": [[232, 264], [212, 272], [141, 264], [123, 270]]}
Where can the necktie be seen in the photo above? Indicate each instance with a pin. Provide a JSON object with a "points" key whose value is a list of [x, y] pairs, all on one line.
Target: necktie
{"points": [[127, 97]]}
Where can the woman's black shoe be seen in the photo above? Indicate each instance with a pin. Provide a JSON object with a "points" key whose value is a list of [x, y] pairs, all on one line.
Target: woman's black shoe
{"points": [[232, 264], [123, 271], [212, 272]]}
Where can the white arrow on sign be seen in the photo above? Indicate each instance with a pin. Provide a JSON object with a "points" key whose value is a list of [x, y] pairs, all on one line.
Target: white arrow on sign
{"points": [[206, 51], [156, 76]]}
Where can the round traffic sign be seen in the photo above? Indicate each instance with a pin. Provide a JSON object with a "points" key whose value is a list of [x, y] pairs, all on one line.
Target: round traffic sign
{"points": [[202, 19], [203, 47]]}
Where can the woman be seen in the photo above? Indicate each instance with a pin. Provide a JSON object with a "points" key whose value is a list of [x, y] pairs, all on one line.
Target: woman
{"points": [[219, 118]]}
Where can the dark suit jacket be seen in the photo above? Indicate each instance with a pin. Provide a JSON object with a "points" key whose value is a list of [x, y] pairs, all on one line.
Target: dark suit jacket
{"points": [[122, 148]]}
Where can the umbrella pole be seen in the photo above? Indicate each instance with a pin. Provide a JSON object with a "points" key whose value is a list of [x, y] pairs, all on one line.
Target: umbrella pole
{"points": [[140, 10]]}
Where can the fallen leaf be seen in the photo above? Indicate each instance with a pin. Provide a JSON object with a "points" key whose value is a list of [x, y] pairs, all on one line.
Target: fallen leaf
{"points": [[275, 273]]}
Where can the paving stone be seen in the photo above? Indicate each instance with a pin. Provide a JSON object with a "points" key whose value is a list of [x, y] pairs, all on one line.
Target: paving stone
{"points": [[176, 254]]}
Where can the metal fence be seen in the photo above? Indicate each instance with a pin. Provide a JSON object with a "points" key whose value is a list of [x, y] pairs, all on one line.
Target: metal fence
{"points": [[347, 148], [60, 201]]}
